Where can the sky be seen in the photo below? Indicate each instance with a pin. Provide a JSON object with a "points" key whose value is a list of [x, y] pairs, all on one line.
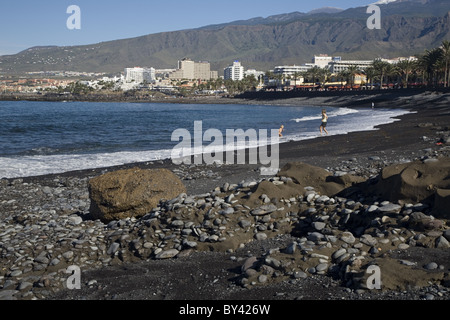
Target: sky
{"points": [[29, 23]]}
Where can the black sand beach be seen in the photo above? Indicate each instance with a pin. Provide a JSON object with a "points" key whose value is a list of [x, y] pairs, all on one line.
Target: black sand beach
{"points": [[212, 275]]}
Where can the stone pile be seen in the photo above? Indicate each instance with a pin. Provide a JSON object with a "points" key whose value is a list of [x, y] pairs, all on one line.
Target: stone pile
{"points": [[45, 229]]}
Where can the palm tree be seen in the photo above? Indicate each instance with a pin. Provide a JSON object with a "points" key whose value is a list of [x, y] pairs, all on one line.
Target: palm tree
{"points": [[352, 72], [370, 74], [343, 76], [382, 68], [314, 74], [325, 76], [446, 58], [406, 67], [429, 63]]}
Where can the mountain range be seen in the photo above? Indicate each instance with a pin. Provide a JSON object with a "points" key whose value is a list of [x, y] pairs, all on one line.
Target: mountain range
{"points": [[408, 27]]}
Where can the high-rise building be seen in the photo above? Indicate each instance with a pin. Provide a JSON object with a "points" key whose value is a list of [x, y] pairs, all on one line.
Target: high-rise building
{"points": [[234, 72], [188, 69], [139, 75]]}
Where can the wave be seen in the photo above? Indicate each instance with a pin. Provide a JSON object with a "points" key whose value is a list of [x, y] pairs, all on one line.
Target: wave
{"points": [[331, 114]]}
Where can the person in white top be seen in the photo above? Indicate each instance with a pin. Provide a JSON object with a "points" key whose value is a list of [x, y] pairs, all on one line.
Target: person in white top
{"points": [[323, 126]]}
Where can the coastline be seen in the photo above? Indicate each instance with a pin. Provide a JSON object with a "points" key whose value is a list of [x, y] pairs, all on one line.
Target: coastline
{"points": [[367, 152], [426, 106]]}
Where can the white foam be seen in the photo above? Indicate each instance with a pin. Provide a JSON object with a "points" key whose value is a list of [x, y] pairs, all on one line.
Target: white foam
{"points": [[366, 120], [331, 114], [14, 167]]}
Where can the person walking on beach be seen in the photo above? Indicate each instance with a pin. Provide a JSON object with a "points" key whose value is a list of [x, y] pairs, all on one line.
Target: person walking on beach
{"points": [[323, 126], [280, 131]]}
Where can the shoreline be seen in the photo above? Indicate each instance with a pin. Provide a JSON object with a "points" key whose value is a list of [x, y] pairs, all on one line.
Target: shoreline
{"points": [[289, 150], [412, 104]]}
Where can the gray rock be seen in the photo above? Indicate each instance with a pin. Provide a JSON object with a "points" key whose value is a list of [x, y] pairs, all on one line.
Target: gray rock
{"points": [[408, 263], [262, 278], [368, 240], [42, 259], [76, 220], [226, 211], [167, 254], [300, 275], [24, 285], [290, 249], [391, 207], [68, 255], [263, 210], [431, 266], [244, 224], [348, 237], [315, 236], [322, 267], [319, 225], [260, 236], [249, 263], [442, 243], [8, 294], [113, 248], [338, 253]]}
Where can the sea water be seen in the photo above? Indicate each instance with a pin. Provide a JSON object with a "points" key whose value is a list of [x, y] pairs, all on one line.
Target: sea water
{"points": [[39, 138]]}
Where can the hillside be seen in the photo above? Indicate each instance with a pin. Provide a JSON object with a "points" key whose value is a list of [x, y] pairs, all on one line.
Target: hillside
{"points": [[408, 27]]}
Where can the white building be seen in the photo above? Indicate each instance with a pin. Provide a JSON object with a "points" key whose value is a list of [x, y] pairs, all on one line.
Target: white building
{"points": [[139, 75], [254, 72], [291, 70], [234, 72], [343, 65]]}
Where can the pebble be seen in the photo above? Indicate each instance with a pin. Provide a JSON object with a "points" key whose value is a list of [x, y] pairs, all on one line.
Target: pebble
{"points": [[431, 266]]}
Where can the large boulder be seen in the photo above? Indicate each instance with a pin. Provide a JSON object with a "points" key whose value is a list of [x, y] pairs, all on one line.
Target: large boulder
{"points": [[131, 193], [419, 181], [324, 182]]}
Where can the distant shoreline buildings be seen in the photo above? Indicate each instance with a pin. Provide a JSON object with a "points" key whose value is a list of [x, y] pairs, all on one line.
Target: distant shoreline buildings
{"points": [[190, 73]]}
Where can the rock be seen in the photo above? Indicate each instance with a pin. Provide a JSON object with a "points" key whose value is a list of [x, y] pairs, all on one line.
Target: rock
{"points": [[167, 254], [315, 236], [131, 193], [324, 182], [348, 237], [446, 234], [421, 221], [339, 253], [260, 236], [8, 294], [321, 267], [368, 240], [442, 243], [262, 278], [431, 266], [263, 210], [408, 263], [244, 223], [318, 226], [250, 263], [300, 275], [391, 207], [113, 248], [416, 182]]}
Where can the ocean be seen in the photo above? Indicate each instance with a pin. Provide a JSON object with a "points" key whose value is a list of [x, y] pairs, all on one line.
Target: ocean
{"points": [[38, 138]]}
